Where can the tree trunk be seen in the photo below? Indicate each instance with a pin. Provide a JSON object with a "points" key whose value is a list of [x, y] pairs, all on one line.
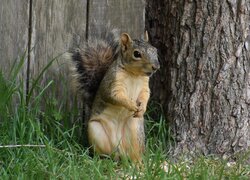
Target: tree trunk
{"points": [[205, 62]]}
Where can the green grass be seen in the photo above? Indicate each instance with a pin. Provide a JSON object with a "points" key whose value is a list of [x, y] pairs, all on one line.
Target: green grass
{"points": [[46, 121]]}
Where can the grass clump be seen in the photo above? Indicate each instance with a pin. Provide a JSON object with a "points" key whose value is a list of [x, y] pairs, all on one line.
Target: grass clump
{"points": [[49, 135]]}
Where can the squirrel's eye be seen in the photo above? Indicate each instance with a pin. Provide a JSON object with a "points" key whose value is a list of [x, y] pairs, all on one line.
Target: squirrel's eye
{"points": [[137, 54]]}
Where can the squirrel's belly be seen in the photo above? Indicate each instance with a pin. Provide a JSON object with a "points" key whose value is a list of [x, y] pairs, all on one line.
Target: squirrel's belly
{"points": [[112, 113], [116, 113]]}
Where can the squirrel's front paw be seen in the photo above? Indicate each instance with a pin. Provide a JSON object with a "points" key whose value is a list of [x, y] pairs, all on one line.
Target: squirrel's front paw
{"points": [[140, 110], [133, 107]]}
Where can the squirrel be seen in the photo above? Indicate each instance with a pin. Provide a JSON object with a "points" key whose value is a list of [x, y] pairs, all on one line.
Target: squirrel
{"points": [[112, 74]]}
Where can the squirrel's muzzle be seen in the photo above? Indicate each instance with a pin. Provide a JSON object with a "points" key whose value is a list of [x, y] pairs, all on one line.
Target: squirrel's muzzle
{"points": [[153, 58], [156, 66]]}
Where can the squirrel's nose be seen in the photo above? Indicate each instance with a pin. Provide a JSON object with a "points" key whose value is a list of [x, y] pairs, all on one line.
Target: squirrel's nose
{"points": [[155, 67]]}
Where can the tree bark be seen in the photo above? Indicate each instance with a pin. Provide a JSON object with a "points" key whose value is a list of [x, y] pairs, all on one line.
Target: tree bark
{"points": [[204, 81]]}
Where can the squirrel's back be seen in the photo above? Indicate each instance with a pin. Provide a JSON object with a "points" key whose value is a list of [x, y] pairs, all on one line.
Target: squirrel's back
{"points": [[91, 62]]}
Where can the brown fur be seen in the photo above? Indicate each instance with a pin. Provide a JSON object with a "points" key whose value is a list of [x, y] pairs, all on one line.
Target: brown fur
{"points": [[112, 75], [116, 124]]}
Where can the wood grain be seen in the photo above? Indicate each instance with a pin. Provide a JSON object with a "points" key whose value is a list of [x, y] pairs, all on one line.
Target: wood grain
{"points": [[54, 24], [14, 20], [127, 15]]}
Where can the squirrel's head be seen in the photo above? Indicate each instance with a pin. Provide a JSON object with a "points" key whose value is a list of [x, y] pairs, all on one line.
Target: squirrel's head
{"points": [[138, 56]]}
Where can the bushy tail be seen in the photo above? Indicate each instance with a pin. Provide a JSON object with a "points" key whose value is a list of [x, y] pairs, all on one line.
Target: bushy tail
{"points": [[91, 61]]}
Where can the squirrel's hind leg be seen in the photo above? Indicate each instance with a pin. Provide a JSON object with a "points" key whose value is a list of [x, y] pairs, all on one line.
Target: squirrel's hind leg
{"points": [[134, 139], [99, 138]]}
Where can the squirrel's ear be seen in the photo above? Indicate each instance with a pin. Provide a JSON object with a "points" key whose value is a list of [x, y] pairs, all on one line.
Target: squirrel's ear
{"points": [[146, 36], [125, 41]]}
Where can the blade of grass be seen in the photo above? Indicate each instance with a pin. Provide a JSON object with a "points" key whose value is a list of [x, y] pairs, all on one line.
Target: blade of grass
{"points": [[16, 68], [34, 84]]}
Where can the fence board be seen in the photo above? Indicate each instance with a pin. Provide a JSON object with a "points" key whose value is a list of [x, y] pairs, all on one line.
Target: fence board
{"points": [[54, 23], [127, 15], [14, 19]]}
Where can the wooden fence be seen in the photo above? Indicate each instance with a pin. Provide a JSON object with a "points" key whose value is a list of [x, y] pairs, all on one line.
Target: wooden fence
{"points": [[44, 29]]}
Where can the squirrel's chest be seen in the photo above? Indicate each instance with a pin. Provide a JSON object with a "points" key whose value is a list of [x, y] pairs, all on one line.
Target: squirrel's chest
{"points": [[133, 87]]}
